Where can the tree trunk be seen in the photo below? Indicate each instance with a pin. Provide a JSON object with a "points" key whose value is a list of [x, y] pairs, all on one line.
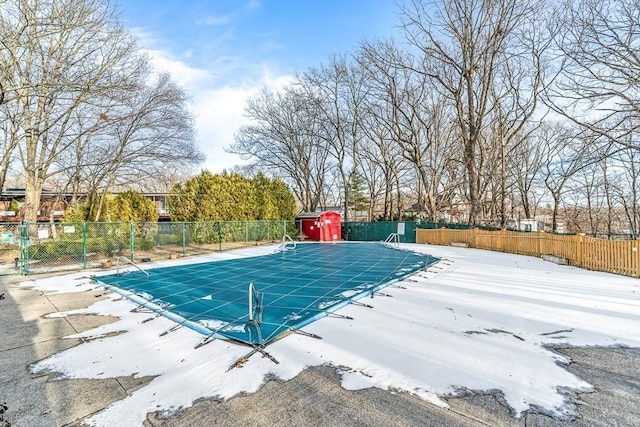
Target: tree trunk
{"points": [[33, 191], [503, 188], [347, 193], [470, 164], [526, 205], [556, 207], [399, 195]]}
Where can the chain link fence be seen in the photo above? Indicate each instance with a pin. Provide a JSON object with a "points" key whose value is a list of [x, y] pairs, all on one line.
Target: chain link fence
{"points": [[29, 248]]}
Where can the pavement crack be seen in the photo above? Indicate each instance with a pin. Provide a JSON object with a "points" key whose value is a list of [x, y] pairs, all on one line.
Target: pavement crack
{"points": [[66, 319], [27, 345], [472, 418]]}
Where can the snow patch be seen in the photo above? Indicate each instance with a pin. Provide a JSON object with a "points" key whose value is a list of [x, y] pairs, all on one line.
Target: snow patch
{"points": [[476, 320]]}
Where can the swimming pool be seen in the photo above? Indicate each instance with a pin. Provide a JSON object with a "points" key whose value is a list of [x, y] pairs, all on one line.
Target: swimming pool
{"points": [[289, 288]]}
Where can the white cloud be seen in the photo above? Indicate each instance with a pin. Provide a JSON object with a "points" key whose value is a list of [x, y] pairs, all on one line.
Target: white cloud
{"points": [[182, 73], [214, 20], [220, 112], [218, 107], [254, 4]]}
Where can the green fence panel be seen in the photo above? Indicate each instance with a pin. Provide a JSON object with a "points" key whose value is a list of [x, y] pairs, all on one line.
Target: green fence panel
{"points": [[378, 231], [10, 248]]}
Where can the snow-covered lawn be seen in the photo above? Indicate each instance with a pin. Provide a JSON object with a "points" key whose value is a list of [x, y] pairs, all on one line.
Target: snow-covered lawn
{"points": [[477, 320]]}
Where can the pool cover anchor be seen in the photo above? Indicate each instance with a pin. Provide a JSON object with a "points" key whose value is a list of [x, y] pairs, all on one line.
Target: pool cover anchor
{"points": [[306, 334], [213, 336], [339, 316], [361, 304], [173, 328], [142, 308], [244, 359], [205, 341], [380, 294]]}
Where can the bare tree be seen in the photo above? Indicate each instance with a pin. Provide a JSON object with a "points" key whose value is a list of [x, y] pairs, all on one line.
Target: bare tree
{"points": [[463, 42], [598, 80], [283, 140], [67, 54], [589, 189], [372, 169], [8, 144], [626, 187], [137, 141], [525, 163], [567, 152], [380, 152], [519, 82], [416, 117], [73, 166], [338, 88]]}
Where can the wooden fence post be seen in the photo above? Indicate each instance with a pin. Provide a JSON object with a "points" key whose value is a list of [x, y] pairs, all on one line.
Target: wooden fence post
{"points": [[474, 238], [580, 250], [636, 254], [540, 244]]}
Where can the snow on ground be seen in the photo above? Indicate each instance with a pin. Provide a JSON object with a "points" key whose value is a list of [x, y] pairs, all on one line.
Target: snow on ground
{"points": [[477, 320]]}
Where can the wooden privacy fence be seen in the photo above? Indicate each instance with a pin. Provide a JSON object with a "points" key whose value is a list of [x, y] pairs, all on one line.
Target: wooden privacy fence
{"points": [[613, 256]]}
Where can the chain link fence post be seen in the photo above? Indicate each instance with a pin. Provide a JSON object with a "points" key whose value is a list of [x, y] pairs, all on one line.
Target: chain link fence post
{"points": [[132, 241], [24, 240], [84, 245], [184, 239]]}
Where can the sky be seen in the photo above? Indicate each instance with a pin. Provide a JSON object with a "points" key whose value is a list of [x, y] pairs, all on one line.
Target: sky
{"points": [[224, 51], [456, 326]]}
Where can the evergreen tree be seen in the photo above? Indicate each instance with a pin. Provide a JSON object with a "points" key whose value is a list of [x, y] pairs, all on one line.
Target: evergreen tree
{"points": [[86, 211], [127, 206], [231, 197], [283, 200], [358, 200], [265, 202], [133, 206]]}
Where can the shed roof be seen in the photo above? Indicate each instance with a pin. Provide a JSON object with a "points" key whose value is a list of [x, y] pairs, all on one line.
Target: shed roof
{"points": [[308, 215]]}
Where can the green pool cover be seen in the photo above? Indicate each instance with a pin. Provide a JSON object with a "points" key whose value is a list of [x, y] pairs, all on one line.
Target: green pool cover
{"points": [[292, 287]]}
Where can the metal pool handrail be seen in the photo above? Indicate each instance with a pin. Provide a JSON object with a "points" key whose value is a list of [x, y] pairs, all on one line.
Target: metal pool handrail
{"points": [[393, 238], [287, 243], [124, 258]]}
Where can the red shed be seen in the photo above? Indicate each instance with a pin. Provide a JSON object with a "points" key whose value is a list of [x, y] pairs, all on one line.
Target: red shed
{"points": [[321, 226]]}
